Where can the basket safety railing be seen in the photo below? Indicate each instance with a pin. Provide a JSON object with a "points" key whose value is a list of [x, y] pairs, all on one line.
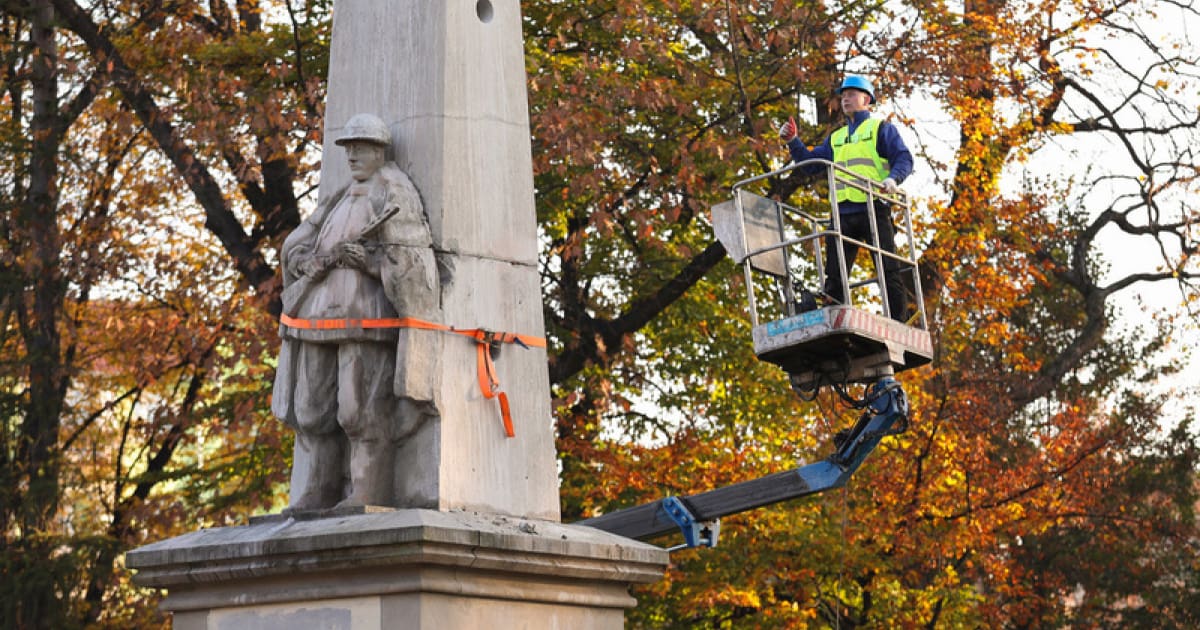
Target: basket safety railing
{"points": [[759, 239]]}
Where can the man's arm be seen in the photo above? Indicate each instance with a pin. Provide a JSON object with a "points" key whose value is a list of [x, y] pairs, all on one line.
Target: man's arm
{"points": [[891, 147], [801, 153], [788, 133]]}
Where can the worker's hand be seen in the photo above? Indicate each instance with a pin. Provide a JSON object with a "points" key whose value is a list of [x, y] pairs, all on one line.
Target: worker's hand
{"points": [[351, 254], [890, 186], [787, 130]]}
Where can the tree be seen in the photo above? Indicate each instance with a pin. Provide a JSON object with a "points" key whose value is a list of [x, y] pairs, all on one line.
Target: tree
{"points": [[136, 343]]}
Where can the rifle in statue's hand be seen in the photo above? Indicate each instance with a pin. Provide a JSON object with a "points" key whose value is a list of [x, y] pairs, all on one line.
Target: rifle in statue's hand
{"points": [[312, 268]]}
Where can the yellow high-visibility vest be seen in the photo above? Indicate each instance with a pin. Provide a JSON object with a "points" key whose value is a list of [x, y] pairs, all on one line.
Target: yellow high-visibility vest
{"points": [[859, 154]]}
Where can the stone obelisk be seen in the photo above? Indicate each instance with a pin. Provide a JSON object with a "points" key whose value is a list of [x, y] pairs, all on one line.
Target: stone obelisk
{"points": [[474, 540], [448, 77]]}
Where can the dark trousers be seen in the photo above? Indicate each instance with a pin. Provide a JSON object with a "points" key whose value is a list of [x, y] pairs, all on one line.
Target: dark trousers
{"points": [[858, 226]]}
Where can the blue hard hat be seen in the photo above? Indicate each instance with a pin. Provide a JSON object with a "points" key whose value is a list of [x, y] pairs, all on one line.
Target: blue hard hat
{"points": [[858, 83]]}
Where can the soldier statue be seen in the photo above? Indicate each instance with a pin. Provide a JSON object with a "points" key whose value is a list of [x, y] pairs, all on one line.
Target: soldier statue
{"points": [[353, 378]]}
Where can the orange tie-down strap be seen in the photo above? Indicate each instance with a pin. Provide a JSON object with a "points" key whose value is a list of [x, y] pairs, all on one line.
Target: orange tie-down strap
{"points": [[484, 339]]}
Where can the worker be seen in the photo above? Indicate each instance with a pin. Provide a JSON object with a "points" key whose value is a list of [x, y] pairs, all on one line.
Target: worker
{"points": [[873, 148]]}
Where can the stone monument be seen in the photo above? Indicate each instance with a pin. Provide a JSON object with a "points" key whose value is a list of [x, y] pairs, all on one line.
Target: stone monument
{"points": [[424, 488]]}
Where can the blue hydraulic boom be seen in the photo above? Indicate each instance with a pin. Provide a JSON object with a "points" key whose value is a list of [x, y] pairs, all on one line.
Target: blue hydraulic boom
{"points": [[697, 516], [783, 250]]}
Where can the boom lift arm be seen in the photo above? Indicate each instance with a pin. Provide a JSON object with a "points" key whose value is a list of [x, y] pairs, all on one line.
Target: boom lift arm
{"points": [[697, 516]]}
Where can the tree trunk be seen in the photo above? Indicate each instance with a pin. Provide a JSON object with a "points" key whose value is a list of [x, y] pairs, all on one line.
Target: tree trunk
{"points": [[37, 224], [39, 219]]}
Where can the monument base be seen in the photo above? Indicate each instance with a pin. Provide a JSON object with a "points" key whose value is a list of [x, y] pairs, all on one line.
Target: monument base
{"points": [[400, 569]]}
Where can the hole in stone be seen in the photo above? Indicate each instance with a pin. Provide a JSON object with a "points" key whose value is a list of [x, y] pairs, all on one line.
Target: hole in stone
{"points": [[483, 8]]}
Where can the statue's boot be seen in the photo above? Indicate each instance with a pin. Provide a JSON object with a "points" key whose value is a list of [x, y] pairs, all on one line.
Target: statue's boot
{"points": [[372, 470], [317, 472]]}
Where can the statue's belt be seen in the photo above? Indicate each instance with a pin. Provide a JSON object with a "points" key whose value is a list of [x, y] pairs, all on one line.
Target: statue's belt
{"points": [[485, 340]]}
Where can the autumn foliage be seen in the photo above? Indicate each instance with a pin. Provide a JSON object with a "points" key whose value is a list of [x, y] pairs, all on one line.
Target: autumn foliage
{"points": [[156, 154]]}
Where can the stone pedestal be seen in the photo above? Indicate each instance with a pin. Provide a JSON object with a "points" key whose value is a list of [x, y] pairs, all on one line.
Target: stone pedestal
{"points": [[398, 569]]}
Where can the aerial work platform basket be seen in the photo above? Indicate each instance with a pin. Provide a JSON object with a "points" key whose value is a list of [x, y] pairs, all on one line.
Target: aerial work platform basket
{"points": [[784, 248]]}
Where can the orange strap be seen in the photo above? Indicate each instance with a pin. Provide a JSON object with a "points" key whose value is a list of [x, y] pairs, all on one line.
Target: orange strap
{"points": [[485, 368]]}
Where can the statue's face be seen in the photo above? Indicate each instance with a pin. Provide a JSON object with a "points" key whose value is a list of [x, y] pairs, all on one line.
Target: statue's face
{"points": [[365, 159]]}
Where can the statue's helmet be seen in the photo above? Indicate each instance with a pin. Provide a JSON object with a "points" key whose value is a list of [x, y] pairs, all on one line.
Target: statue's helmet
{"points": [[365, 128]]}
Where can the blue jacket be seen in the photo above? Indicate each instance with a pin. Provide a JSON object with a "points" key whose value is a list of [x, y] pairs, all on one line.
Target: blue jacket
{"points": [[890, 146]]}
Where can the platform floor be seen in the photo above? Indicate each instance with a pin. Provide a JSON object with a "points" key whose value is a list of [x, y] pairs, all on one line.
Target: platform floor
{"points": [[842, 344]]}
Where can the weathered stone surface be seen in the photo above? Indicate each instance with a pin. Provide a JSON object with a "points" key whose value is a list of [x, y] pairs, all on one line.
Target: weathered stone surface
{"points": [[452, 88], [448, 79], [480, 468], [353, 388]]}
